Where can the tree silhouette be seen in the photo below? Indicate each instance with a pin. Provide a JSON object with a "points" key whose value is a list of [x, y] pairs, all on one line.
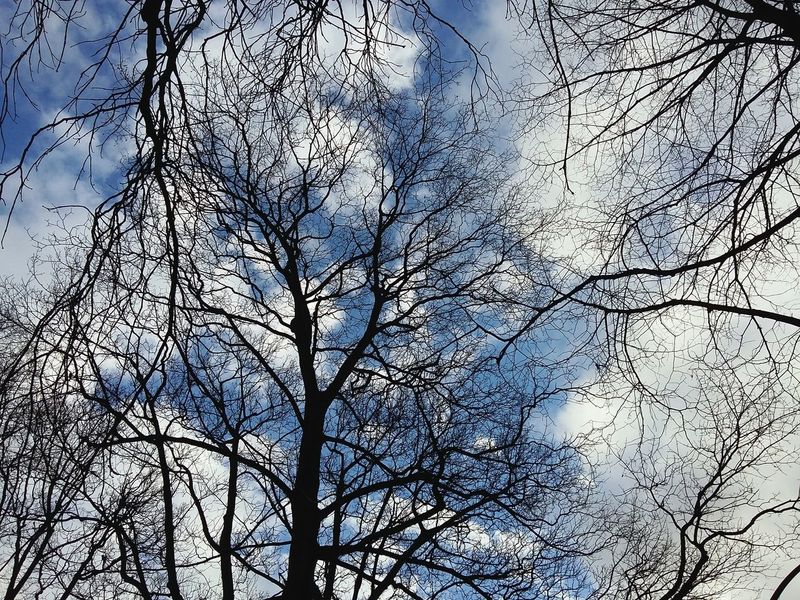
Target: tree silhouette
{"points": [[293, 368], [686, 114], [313, 342]]}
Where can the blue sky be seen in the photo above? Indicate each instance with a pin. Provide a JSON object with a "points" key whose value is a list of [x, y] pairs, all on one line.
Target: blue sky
{"points": [[60, 181]]}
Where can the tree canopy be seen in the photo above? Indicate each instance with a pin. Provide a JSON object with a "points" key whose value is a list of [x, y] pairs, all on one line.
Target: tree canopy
{"points": [[356, 311]]}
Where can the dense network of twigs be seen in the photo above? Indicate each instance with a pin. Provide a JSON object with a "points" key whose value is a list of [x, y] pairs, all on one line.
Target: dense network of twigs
{"points": [[313, 342]]}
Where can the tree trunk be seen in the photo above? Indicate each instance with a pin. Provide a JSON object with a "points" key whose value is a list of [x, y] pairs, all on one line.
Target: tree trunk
{"points": [[304, 548]]}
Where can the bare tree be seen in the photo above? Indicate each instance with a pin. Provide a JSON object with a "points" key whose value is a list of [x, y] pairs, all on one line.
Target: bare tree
{"points": [[313, 340], [694, 103], [686, 114], [290, 334]]}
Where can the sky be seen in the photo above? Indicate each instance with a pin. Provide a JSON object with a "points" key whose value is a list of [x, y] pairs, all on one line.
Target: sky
{"points": [[61, 181]]}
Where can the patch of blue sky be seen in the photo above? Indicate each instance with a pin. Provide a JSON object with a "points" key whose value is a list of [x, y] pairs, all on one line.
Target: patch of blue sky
{"points": [[51, 155]]}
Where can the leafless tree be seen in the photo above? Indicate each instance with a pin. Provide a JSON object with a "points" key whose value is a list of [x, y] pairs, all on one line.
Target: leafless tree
{"points": [[686, 115], [285, 340], [311, 342]]}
